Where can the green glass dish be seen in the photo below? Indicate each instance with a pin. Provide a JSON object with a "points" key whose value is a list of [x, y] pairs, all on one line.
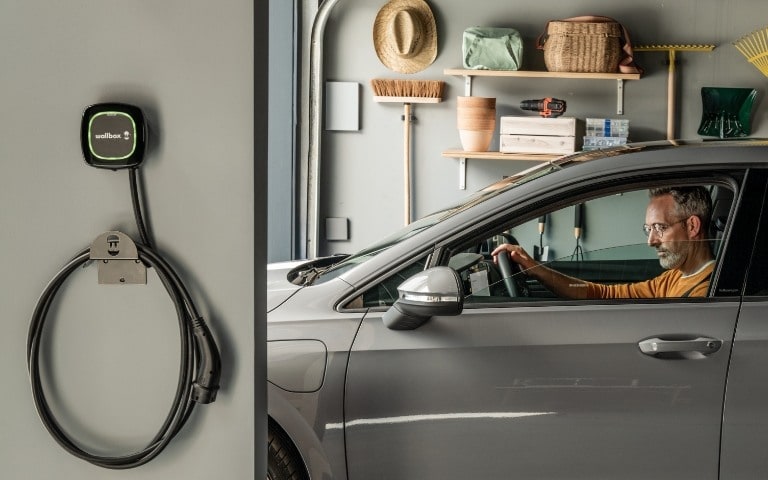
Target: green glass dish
{"points": [[726, 111]]}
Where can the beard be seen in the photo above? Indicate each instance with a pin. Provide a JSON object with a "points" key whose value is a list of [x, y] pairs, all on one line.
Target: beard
{"points": [[671, 255]]}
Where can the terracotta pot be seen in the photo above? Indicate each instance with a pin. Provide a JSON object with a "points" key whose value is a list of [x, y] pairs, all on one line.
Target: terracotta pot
{"points": [[476, 140], [481, 102], [476, 121]]}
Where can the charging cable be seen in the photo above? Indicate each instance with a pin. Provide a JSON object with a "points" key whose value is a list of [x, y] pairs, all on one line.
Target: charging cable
{"points": [[200, 368]]}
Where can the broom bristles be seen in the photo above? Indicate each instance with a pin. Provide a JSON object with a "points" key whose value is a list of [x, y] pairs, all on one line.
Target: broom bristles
{"points": [[389, 87]]}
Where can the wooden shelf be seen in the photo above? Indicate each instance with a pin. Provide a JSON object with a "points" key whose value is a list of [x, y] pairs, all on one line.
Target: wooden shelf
{"points": [[535, 157], [464, 155], [469, 74], [539, 74]]}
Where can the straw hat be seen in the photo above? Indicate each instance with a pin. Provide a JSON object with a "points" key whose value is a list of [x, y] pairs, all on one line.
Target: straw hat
{"points": [[405, 36]]}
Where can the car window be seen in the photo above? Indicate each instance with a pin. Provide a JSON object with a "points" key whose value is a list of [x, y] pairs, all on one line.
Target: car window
{"points": [[384, 293], [600, 240], [757, 280], [351, 261]]}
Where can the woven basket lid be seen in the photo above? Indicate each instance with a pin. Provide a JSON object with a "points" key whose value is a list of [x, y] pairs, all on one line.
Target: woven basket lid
{"points": [[405, 35]]}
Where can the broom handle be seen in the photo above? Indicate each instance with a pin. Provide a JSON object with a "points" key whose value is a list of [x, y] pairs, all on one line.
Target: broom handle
{"points": [[671, 96], [407, 160]]}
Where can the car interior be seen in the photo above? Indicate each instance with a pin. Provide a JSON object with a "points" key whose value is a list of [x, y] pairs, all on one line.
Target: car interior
{"points": [[598, 240], [605, 248]]}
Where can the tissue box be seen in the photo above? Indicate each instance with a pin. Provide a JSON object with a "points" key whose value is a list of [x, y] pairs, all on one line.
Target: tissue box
{"points": [[561, 135]]}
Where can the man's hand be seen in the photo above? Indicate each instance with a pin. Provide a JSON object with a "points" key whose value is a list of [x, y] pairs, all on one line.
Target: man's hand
{"points": [[516, 253], [562, 285]]}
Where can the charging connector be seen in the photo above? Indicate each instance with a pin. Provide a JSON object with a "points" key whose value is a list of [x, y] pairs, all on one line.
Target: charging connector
{"points": [[206, 385]]}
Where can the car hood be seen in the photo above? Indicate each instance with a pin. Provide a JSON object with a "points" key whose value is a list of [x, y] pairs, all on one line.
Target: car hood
{"points": [[279, 289]]}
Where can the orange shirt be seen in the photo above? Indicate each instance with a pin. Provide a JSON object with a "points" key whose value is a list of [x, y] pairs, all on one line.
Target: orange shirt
{"points": [[669, 284]]}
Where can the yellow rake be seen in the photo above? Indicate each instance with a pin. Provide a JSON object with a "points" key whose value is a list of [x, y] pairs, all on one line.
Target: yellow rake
{"points": [[755, 48], [672, 50]]}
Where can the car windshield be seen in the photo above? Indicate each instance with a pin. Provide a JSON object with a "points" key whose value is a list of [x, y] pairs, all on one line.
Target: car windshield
{"points": [[424, 223]]}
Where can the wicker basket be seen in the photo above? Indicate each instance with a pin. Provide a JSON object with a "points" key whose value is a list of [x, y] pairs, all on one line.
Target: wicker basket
{"points": [[573, 46]]}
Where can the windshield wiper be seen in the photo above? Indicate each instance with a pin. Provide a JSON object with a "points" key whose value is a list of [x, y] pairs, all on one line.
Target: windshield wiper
{"points": [[309, 275]]}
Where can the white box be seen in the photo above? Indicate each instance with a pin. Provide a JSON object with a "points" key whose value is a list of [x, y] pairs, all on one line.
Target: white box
{"points": [[595, 143], [342, 111], [560, 135], [561, 126], [537, 144], [607, 127]]}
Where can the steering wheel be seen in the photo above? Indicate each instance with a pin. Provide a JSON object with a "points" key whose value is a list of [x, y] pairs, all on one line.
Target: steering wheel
{"points": [[511, 272]]}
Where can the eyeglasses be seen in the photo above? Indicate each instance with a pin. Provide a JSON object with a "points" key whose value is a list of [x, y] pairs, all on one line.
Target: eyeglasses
{"points": [[659, 228]]}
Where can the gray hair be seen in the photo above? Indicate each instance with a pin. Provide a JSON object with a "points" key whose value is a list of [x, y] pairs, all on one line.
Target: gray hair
{"points": [[689, 201]]}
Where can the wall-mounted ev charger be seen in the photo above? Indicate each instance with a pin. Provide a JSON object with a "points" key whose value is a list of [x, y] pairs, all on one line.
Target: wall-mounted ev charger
{"points": [[113, 135]]}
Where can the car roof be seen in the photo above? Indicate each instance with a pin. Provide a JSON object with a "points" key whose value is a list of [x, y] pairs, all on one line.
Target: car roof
{"points": [[630, 148]]}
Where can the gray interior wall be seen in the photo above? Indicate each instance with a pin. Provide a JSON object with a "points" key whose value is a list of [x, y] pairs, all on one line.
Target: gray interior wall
{"points": [[111, 353], [362, 171], [281, 112]]}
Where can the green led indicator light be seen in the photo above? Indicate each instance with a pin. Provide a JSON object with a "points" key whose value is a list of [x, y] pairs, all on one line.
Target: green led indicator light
{"points": [[112, 136]]}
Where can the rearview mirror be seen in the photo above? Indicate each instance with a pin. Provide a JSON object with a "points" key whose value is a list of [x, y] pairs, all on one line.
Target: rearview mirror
{"points": [[435, 291]]}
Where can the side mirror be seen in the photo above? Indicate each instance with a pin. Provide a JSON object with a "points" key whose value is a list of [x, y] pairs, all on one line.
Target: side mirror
{"points": [[435, 291]]}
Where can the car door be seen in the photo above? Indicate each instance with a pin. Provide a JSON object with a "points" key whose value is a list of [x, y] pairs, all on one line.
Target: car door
{"points": [[745, 417], [543, 389]]}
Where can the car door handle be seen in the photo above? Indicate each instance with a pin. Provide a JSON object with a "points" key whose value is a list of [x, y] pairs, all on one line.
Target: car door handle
{"points": [[702, 345]]}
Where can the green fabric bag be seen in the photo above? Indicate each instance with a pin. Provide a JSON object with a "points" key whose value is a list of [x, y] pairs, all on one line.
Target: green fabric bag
{"points": [[492, 48]]}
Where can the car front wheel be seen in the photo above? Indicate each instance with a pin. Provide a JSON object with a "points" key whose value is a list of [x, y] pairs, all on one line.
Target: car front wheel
{"points": [[283, 462]]}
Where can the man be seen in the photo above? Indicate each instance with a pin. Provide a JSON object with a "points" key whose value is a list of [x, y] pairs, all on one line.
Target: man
{"points": [[676, 223]]}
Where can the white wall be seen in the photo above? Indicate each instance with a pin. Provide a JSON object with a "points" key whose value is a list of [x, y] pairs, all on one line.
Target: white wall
{"points": [[111, 353], [362, 171]]}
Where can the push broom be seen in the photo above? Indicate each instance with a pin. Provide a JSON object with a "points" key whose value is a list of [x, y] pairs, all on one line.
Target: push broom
{"points": [[407, 92]]}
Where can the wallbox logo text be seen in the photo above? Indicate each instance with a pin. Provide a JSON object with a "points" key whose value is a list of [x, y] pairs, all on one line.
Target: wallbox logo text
{"points": [[110, 136]]}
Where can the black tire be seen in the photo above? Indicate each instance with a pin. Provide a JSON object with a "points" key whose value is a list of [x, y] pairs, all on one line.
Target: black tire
{"points": [[283, 461]]}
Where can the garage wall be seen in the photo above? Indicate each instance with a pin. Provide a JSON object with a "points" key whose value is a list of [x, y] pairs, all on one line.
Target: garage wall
{"points": [[111, 354], [362, 170]]}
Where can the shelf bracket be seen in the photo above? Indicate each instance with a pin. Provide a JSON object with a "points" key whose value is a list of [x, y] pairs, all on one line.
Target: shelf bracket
{"points": [[620, 96], [463, 160]]}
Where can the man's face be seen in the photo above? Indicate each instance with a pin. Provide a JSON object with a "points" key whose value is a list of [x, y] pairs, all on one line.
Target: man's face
{"points": [[673, 245]]}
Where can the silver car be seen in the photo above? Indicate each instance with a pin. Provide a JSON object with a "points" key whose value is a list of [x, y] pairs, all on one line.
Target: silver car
{"points": [[421, 358]]}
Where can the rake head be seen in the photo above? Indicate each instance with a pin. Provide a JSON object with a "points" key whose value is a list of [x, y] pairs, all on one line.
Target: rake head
{"points": [[754, 47], [677, 47]]}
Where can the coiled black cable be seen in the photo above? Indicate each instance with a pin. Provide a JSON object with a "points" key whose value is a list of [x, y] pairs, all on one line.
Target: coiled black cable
{"points": [[200, 364]]}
